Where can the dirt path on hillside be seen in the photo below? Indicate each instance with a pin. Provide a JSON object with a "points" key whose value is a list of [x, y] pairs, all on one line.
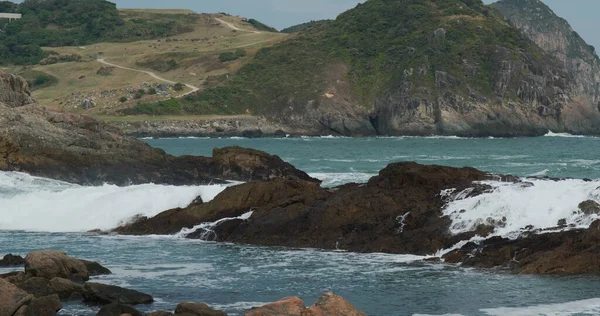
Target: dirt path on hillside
{"points": [[153, 75], [233, 27]]}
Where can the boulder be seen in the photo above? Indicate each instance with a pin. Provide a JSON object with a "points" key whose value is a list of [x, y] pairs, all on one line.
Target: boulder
{"points": [[45, 306], [330, 304], [589, 207], [37, 286], [94, 268], [12, 298], [197, 309], [289, 306], [66, 289], [97, 293], [50, 264], [14, 277], [116, 309], [12, 260]]}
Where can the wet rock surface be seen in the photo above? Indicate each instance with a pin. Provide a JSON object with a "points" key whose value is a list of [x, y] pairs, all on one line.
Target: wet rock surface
{"points": [[328, 304]]}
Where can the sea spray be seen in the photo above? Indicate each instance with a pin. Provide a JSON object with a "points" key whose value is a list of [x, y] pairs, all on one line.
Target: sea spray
{"points": [[535, 204], [37, 204], [206, 231]]}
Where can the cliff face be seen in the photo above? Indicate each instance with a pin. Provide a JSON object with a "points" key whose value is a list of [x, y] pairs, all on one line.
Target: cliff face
{"points": [[411, 67], [555, 36], [79, 149]]}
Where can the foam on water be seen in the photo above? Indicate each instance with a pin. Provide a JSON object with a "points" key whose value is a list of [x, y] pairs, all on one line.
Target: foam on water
{"points": [[552, 134], [334, 179], [38, 204], [511, 207], [582, 307]]}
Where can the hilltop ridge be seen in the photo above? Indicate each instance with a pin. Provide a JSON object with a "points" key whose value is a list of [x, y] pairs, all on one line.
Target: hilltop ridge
{"points": [[408, 68]]}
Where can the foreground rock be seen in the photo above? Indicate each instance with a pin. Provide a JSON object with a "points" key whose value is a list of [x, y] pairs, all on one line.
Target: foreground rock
{"points": [[79, 149], [51, 276], [328, 305], [116, 309]]}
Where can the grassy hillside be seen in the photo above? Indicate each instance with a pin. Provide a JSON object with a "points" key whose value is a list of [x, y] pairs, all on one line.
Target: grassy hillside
{"points": [[55, 23], [261, 26], [302, 27], [381, 43]]}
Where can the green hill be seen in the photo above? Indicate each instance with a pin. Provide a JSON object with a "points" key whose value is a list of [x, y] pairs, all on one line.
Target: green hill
{"points": [[76, 22], [303, 26], [396, 67]]}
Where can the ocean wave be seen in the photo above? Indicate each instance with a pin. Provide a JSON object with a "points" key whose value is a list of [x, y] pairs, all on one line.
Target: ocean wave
{"points": [[552, 134], [536, 204], [38, 204], [335, 179]]}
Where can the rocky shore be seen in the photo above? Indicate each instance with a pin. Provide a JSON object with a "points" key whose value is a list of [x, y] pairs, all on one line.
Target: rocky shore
{"points": [[51, 277], [79, 149], [399, 211]]}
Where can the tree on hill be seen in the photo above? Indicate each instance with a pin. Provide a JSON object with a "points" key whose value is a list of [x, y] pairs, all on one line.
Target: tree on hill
{"points": [[303, 26]]}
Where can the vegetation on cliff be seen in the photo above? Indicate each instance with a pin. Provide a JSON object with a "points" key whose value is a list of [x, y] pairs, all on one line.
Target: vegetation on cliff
{"points": [[302, 27], [77, 22], [261, 26], [383, 43]]}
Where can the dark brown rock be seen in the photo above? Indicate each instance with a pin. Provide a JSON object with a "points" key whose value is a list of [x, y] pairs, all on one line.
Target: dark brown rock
{"points": [[94, 268], [330, 304], [37, 286], [12, 260], [116, 309], [14, 277], [198, 309], [159, 313], [96, 293], [45, 306], [66, 289]]}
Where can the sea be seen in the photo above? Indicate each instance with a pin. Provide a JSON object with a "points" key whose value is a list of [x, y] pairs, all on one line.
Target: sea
{"points": [[564, 170]]}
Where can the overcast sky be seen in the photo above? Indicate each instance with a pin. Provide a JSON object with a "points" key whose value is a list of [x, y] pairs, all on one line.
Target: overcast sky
{"points": [[581, 14]]}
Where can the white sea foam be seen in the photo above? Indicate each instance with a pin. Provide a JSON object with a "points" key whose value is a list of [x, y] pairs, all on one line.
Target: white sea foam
{"points": [[207, 229], [38, 204], [334, 179], [537, 204], [552, 134], [582, 307]]}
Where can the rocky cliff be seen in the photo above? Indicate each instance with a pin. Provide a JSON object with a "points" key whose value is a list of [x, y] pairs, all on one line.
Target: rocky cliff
{"points": [[554, 35], [79, 149], [414, 67]]}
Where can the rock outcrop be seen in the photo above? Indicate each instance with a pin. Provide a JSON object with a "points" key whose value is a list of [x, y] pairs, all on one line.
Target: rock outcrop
{"points": [[51, 264], [555, 36], [11, 260], [79, 149], [397, 211]]}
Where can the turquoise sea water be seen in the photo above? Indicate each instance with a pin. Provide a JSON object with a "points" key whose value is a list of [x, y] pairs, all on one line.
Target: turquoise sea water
{"points": [[44, 214]]}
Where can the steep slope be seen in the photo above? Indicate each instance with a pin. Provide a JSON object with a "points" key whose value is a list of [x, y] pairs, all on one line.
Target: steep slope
{"points": [[554, 35], [302, 27], [416, 67]]}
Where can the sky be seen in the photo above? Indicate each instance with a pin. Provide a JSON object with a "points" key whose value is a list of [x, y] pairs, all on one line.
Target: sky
{"points": [[581, 14]]}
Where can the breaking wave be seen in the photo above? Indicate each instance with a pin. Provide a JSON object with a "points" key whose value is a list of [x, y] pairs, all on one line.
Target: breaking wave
{"points": [[38, 204], [512, 208]]}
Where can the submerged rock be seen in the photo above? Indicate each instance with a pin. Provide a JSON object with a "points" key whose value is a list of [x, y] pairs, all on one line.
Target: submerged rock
{"points": [[97, 293], [116, 309], [197, 309], [94, 268]]}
